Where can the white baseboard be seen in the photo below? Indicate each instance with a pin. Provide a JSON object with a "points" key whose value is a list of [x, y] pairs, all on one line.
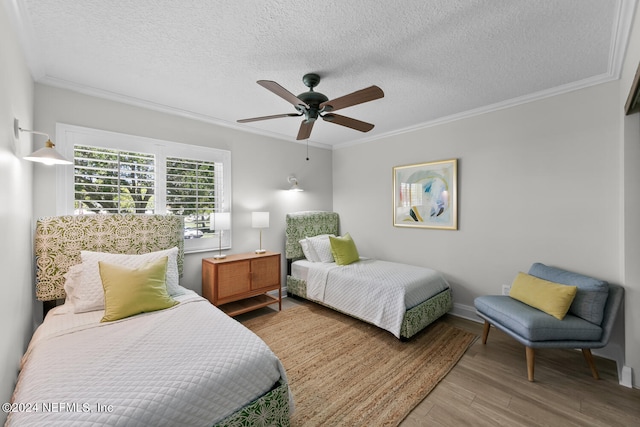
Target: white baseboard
{"points": [[626, 377], [466, 312]]}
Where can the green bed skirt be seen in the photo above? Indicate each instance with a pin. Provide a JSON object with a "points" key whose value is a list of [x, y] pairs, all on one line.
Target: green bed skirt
{"points": [[271, 409], [415, 319]]}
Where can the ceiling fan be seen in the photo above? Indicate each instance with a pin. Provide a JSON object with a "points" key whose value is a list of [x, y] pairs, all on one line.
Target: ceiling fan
{"points": [[313, 104]]}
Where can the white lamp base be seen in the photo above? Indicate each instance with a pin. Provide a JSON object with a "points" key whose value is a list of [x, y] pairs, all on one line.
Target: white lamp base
{"points": [[261, 251], [221, 256]]}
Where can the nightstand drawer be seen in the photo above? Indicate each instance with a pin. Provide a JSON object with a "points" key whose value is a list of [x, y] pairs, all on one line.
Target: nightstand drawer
{"points": [[239, 283], [233, 279]]}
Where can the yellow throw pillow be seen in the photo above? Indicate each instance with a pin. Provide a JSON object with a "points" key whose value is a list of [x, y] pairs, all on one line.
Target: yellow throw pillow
{"points": [[128, 292], [550, 297], [344, 249]]}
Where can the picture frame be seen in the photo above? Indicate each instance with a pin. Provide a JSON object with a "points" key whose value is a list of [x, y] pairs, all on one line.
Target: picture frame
{"points": [[633, 99], [425, 195]]}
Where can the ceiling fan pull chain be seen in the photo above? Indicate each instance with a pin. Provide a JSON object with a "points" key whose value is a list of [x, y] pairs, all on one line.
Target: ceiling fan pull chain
{"points": [[307, 150]]}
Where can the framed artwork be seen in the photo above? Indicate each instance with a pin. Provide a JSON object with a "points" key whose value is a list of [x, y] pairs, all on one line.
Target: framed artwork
{"points": [[425, 195], [633, 100]]}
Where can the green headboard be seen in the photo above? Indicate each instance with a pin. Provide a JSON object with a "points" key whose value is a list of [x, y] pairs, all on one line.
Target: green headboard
{"points": [[307, 224], [59, 240]]}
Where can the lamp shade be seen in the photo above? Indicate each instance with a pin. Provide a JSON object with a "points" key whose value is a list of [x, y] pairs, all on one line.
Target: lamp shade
{"points": [[220, 221], [260, 219], [48, 155]]}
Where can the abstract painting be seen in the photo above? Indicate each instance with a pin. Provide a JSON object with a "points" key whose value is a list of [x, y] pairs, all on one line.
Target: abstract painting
{"points": [[425, 195]]}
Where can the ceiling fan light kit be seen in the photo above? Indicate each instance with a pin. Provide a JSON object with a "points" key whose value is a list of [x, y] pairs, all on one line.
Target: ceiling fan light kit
{"points": [[312, 104]]}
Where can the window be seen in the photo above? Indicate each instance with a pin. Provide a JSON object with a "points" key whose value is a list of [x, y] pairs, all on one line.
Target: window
{"points": [[191, 191], [116, 173], [113, 181]]}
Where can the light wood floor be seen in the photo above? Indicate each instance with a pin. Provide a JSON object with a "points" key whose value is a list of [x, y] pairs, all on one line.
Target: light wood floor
{"points": [[489, 387]]}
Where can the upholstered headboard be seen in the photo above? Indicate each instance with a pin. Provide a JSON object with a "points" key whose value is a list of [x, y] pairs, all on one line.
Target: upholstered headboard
{"points": [[307, 224], [59, 240]]}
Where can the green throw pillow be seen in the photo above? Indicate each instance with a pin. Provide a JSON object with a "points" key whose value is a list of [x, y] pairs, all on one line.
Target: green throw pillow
{"points": [[550, 297], [344, 249], [128, 292]]}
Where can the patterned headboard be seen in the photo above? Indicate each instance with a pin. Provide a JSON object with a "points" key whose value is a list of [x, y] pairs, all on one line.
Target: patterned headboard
{"points": [[307, 224], [59, 240]]}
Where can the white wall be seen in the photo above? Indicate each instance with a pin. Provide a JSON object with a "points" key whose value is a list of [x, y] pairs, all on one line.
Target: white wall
{"points": [[16, 101], [631, 162], [539, 182], [260, 166]]}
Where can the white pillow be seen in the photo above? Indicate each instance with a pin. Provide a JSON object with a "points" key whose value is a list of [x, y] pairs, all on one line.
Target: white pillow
{"points": [[72, 279], [89, 295], [322, 246], [309, 253]]}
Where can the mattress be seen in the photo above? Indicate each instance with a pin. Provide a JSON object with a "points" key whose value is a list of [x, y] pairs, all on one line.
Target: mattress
{"points": [[189, 365], [379, 292]]}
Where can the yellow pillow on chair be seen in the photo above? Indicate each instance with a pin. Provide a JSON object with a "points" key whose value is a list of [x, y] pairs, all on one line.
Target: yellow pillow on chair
{"points": [[550, 297]]}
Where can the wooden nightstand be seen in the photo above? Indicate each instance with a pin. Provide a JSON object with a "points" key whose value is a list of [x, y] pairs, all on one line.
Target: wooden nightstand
{"points": [[239, 283]]}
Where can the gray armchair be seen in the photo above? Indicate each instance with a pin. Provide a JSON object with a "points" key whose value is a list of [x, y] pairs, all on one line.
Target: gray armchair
{"points": [[587, 325]]}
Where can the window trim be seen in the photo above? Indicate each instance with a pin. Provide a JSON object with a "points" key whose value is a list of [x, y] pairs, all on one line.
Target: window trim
{"points": [[69, 135]]}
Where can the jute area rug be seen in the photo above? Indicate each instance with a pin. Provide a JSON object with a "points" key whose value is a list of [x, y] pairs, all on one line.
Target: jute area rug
{"points": [[345, 372]]}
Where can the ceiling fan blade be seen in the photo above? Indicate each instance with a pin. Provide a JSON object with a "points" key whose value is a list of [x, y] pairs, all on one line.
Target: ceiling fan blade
{"points": [[348, 122], [282, 92], [355, 98], [305, 129], [276, 116]]}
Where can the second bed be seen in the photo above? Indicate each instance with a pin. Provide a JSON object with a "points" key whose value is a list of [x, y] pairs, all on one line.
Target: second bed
{"points": [[400, 298]]}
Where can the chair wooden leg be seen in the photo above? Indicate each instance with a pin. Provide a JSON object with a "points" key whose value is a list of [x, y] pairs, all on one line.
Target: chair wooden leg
{"points": [[531, 360], [592, 364], [485, 331]]}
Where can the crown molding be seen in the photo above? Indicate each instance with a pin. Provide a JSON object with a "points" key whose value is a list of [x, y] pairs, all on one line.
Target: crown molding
{"points": [[559, 90], [162, 108]]}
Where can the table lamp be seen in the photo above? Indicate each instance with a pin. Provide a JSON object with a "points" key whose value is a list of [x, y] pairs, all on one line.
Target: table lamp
{"points": [[220, 221], [260, 220]]}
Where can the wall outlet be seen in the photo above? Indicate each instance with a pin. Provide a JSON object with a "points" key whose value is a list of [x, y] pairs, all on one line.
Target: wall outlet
{"points": [[506, 289]]}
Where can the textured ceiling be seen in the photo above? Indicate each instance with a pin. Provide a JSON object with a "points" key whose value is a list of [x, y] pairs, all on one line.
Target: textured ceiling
{"points": [[434, 59]]}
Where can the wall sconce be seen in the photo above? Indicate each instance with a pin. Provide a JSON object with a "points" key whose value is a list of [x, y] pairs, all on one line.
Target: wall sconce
{"points": [[260, 220], [219, 222], [294, 184], [47, 155]]}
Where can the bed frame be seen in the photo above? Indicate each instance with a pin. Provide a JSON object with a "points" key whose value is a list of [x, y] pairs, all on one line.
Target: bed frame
{"points": [[312, 223], [59, 240]]}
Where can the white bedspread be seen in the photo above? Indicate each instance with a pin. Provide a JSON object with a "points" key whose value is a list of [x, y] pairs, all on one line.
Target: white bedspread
{"points": [[190, 365], [376, 291]]}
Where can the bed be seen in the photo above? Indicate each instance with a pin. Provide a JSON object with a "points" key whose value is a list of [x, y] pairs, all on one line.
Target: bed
{"points": [[186, 364], [399, 298]]}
